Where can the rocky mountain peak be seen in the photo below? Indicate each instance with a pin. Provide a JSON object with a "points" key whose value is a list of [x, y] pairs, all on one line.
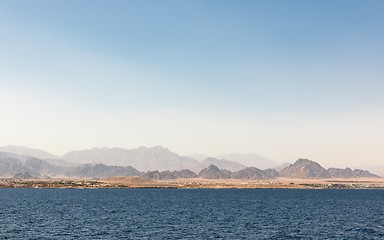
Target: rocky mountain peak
{"points": [[213, 172], [304, 168]]}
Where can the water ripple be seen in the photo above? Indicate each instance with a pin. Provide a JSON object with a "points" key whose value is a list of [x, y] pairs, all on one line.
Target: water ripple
{"points": [[191, 214]]}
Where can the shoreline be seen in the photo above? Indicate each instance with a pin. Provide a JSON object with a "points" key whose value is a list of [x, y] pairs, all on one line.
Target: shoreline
{"points": [[195, 183]]}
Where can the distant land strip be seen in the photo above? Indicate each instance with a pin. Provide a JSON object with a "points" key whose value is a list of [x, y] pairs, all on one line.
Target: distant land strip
{"points": [[21, 167], [195, 183]]}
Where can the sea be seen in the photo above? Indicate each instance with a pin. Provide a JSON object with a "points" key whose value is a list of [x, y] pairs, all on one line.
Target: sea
{"points": [[191, 214]]}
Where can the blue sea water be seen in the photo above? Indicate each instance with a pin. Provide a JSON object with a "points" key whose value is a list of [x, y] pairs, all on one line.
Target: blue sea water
{"points": [[191, 214]]}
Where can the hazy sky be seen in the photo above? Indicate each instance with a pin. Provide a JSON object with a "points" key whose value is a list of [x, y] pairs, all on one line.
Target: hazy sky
{"points": [[284, 79]]}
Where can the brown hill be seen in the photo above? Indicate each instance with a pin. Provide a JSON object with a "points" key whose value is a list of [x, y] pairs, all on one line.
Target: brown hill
{"points": [[213, 172], [186, 173], [304, 168], [156, 175], [349, 173]]}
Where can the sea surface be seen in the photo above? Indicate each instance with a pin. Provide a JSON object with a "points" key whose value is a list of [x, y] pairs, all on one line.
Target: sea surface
{"points": [[191, 214]]}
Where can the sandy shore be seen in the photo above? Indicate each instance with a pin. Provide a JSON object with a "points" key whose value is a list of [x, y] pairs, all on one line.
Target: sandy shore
{"points": [[353, 183]]}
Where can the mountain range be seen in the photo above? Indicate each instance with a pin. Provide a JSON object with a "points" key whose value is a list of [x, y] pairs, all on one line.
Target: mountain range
{"points": [[155, 158], [307, 169], [302, 168], [154, 163]]}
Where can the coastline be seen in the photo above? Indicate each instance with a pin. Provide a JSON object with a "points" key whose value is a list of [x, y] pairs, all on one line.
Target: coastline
{"points": [[196, 183]]}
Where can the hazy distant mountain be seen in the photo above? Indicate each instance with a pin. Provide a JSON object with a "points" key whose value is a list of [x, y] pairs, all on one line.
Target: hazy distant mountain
{"points": [[349, 173], [246, 160], [199, 157], [13, 156], [255, 173], [101, 171], [10, 166], [143, 158], [25, 151], [376, 169], [156, 163], [223, 164], [39, 167], [213, 172], [249, 160], [304, 168], [282, 166]]}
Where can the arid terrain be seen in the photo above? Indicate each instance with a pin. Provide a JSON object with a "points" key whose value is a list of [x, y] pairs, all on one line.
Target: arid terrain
{"points": [[357, 183], [139, 182]]}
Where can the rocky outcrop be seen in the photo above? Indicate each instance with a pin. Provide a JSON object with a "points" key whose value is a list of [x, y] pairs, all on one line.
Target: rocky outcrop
{"points": [[101, 170], [213, 172], [156, 175], [304, 168], [186, 173], [349, 173]]}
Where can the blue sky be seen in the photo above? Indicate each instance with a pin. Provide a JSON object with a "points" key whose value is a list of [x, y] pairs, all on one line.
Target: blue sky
{"points": [[285, 79]]}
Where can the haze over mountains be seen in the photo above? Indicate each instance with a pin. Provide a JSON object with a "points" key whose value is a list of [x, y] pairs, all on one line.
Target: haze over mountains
{"points": [[155, 163], [142, 158], [245, 159], [162, 159], [25, 151]]}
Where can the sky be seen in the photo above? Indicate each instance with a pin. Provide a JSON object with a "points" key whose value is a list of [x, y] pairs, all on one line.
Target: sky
{"points": [[284, 79]]}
